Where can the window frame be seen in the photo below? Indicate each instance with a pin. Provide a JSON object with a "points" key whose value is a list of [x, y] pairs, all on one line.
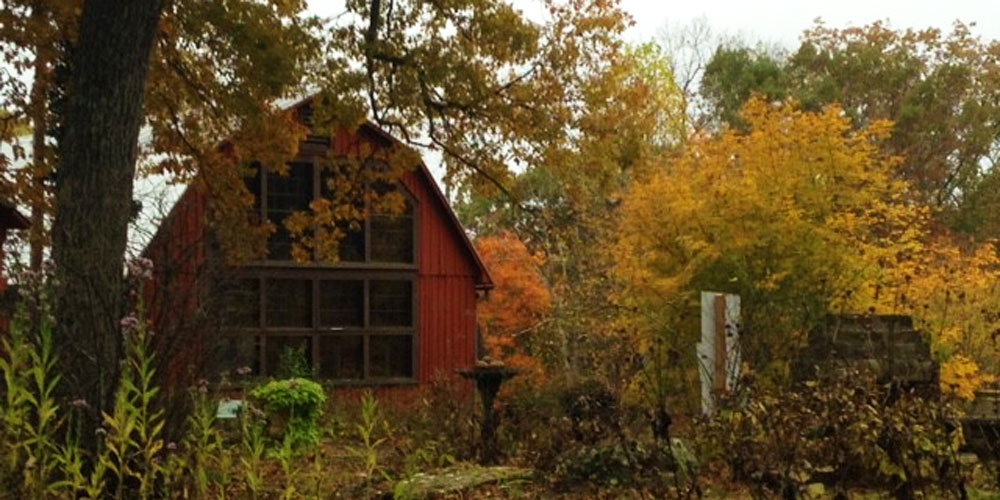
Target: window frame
{"points": [[262, 214], [264, 201], [315, 332]]}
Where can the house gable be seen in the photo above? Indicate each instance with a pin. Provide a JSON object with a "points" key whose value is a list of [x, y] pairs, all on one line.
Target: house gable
{"points": [[297, 305]]}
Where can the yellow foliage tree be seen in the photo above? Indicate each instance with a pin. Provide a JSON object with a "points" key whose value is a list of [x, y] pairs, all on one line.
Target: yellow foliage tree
{"points": [[953, 294], [801, 215], [797, 215], [623, 116]]}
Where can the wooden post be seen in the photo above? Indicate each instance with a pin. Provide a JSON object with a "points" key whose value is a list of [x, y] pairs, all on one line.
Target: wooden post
{"points": [[488, 388], [719, 375], [718, 352]]}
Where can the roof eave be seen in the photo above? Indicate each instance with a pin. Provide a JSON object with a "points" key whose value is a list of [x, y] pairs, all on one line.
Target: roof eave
{"points": [[12, 218]]}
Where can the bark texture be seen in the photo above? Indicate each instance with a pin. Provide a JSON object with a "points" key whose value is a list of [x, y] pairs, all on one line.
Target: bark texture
{"points": [[39, 112], [97, 153]]}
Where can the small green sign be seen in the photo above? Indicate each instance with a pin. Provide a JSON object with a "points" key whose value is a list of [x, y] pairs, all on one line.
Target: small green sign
{"points": [[229, 408]]}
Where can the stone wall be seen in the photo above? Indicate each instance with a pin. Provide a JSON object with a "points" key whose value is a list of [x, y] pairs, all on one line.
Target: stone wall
{"points": [[886, 345]]}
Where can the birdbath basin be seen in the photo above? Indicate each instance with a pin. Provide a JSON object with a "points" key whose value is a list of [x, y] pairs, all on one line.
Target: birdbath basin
{"points": [[489, 377]]}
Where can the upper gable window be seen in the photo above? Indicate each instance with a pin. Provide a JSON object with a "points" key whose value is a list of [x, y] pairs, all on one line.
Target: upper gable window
{"points": [[390, 234], [285, 195], [382, 238]]}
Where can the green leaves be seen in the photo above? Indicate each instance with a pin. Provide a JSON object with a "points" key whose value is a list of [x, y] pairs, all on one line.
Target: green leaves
{"points": [[29, 412], [298, 403], [371, 420], [734, 75]]}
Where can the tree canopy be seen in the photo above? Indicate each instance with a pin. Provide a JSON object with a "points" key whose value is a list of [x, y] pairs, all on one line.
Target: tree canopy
{"points": [[801, 215], [939, 90]]}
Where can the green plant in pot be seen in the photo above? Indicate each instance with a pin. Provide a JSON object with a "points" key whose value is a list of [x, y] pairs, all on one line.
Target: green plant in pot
{"points": [[293, 408]]}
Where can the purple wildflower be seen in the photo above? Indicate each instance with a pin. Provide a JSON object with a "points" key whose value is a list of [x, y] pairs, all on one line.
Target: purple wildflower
{"points": [[129, 324], [140, 267]]}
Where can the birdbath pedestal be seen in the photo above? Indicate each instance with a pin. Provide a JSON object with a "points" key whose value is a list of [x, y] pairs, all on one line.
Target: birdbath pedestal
{"points": [[488, 379]]}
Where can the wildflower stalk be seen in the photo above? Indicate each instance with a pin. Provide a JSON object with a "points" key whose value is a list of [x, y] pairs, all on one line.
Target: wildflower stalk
{"points": [[253, 453], [202, 440], [29, 413], [40, 444], [370, 419], [133, 442]]}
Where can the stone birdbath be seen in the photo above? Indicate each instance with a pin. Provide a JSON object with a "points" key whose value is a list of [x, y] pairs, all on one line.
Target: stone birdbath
{"points": [[488, 376]]}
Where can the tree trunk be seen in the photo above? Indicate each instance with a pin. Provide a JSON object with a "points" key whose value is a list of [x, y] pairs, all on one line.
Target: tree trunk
{"points": [[97, 153], [38, 113]]}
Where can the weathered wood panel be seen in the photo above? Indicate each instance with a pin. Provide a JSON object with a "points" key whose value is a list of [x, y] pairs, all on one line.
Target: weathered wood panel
{"points": [[447, 340]]}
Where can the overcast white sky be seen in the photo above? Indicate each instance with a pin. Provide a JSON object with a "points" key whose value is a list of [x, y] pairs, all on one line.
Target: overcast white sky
{"points": [[781, 21]]}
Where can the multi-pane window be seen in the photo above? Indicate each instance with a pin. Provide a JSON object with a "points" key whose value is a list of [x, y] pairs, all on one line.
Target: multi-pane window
{"points": [[351, 321], [287, 303], [285, 195], [342, 303], [389, 303], [345, 325], [382, 238], [391, 237]]}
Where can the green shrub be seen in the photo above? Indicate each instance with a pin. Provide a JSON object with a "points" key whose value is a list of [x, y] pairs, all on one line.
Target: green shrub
{"points": [[294, 407], [292, 363]]}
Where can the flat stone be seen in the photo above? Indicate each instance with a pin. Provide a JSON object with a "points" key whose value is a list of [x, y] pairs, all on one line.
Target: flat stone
{"points": [[457, 478]]}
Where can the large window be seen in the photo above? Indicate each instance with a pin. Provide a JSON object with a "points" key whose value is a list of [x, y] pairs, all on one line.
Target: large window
{"points": [[379, 239], [345, 325], [350, 321]]}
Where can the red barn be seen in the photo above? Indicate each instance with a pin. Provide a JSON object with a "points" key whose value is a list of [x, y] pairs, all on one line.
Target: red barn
{"points": [[398, 307], [10, 219]]}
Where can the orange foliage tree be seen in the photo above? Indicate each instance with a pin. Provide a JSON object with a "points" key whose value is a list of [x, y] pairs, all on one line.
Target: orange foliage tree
{"points": [[518, 305]]}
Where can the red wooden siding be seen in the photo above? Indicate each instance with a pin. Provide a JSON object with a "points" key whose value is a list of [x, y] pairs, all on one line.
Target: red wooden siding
{"points": [[447, 296], [447, 275], [447, 335], [178, 253], [10, 219]]}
